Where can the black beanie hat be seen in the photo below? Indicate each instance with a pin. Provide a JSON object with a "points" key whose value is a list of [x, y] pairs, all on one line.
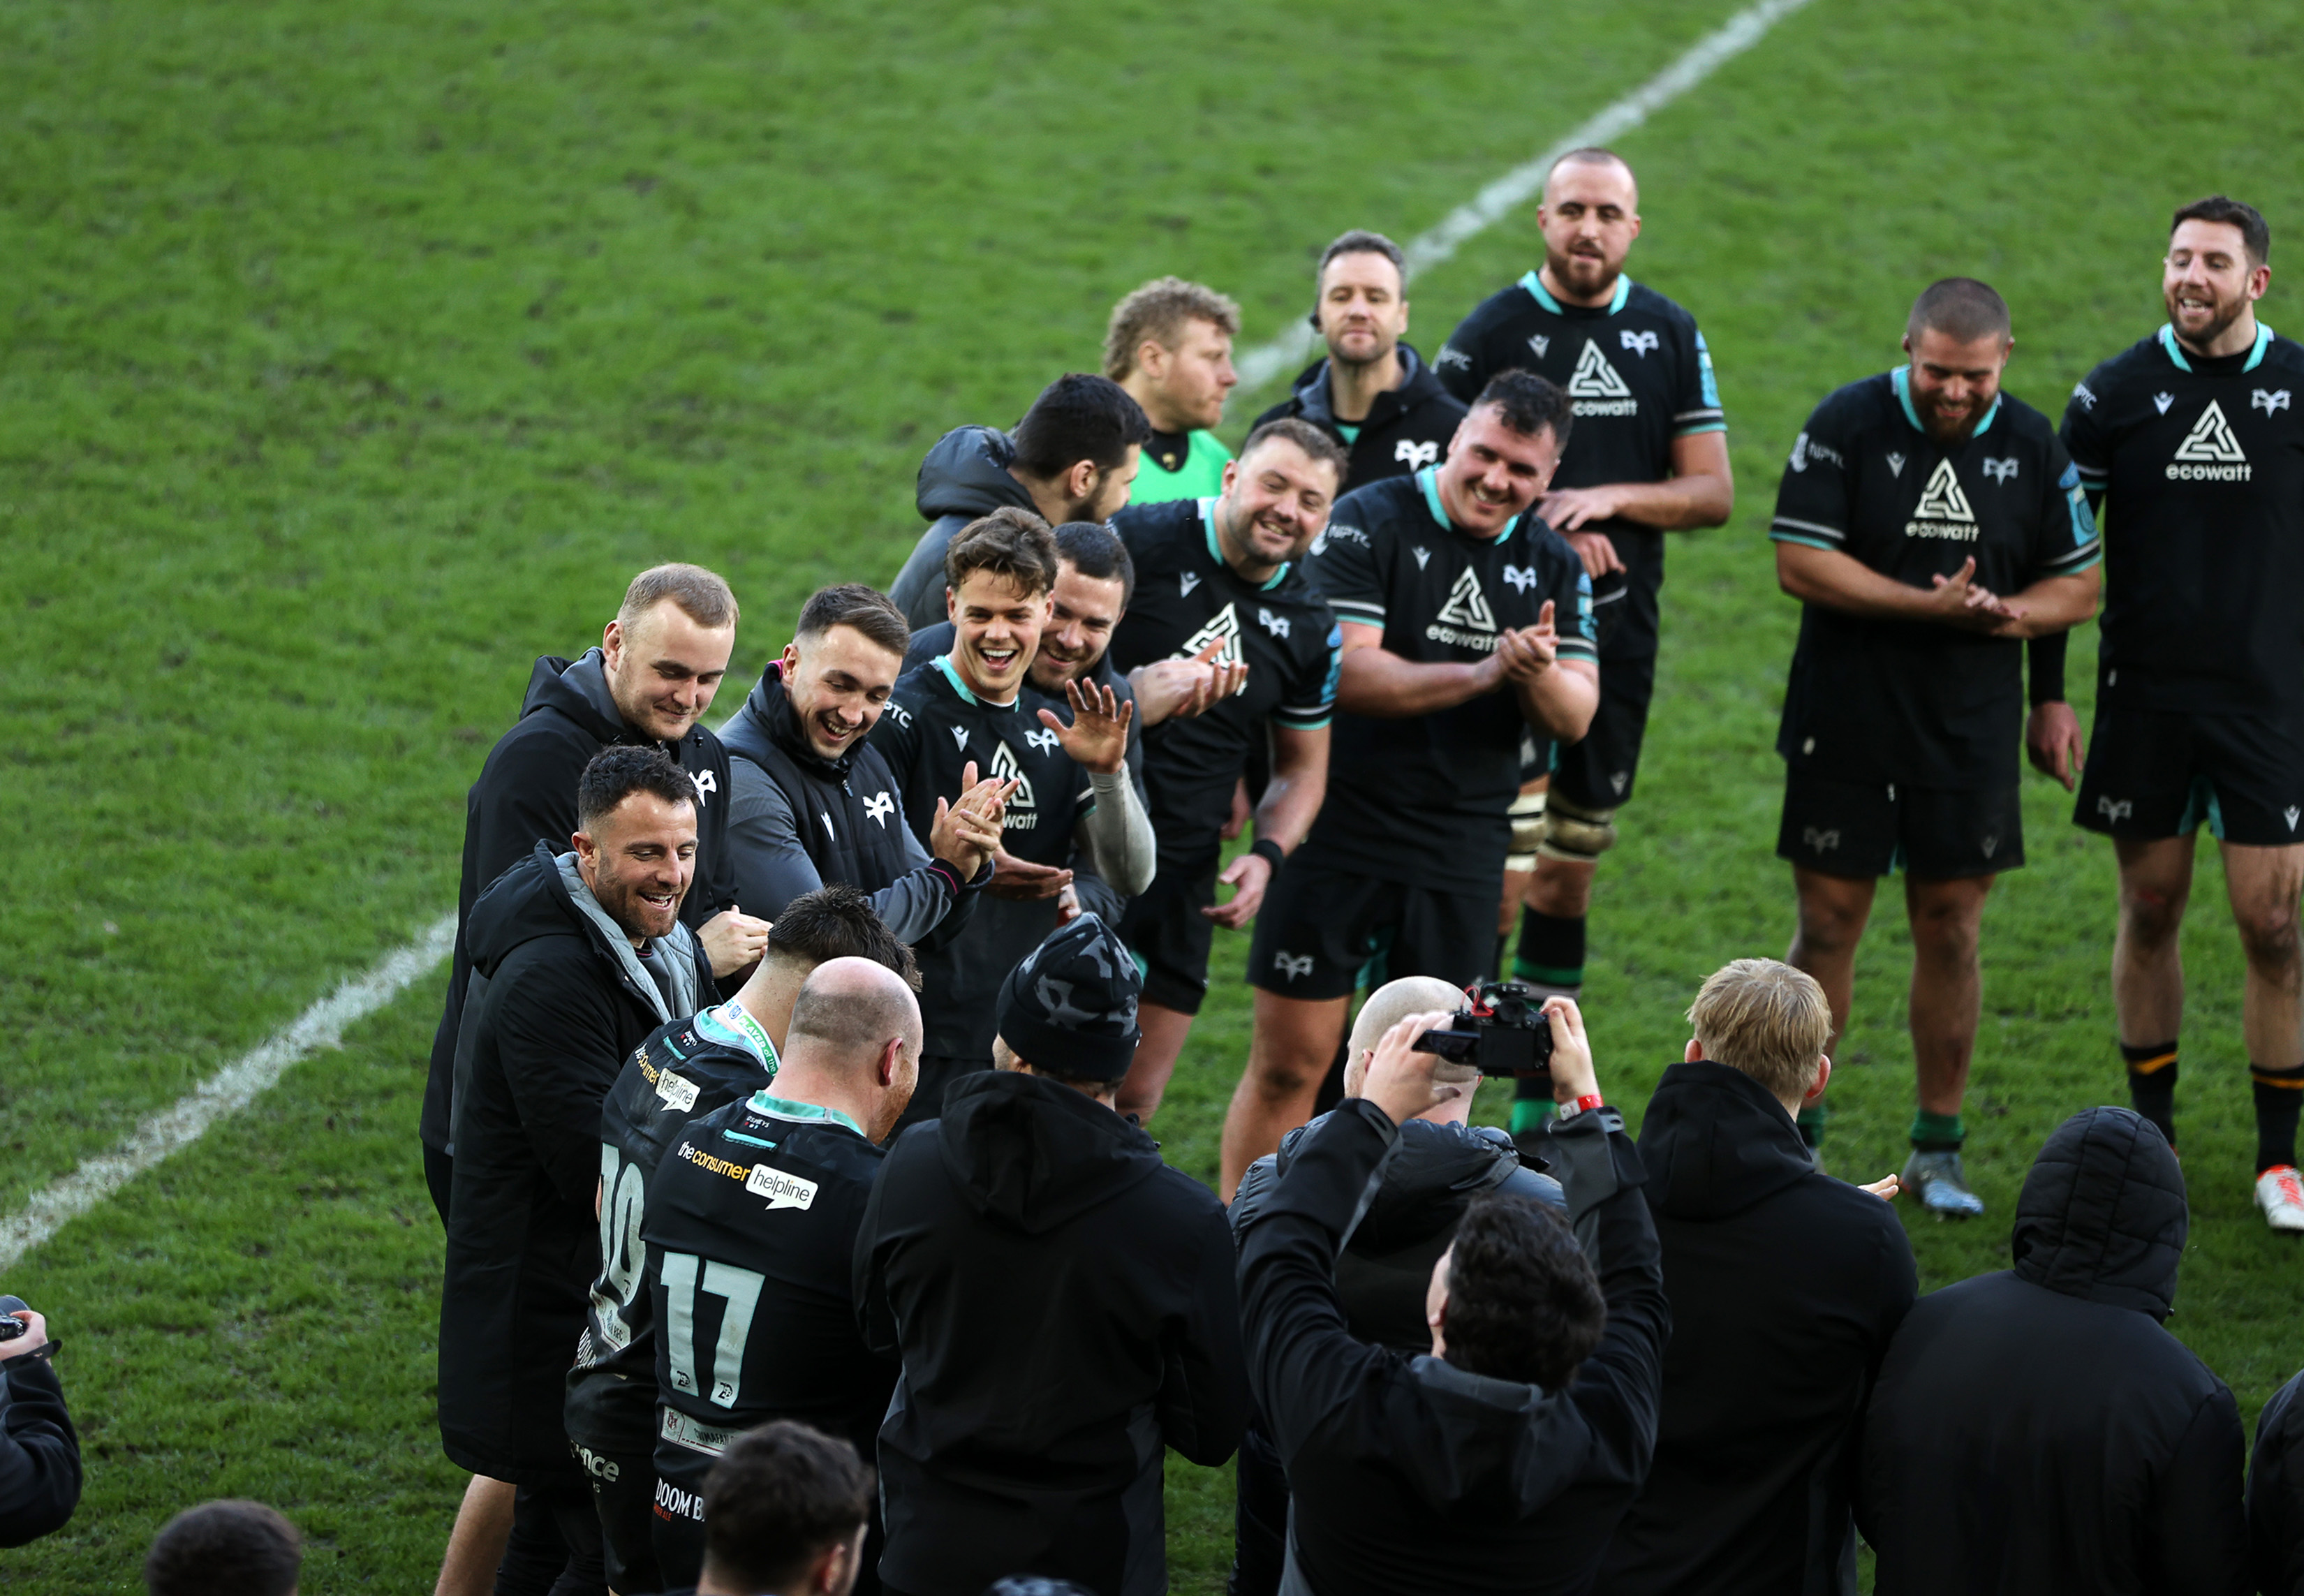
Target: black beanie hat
{"points": [[1069, 1007]]}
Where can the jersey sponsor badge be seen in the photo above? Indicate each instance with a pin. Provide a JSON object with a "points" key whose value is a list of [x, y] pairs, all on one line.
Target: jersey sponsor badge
{"points": [[678, 1092], [1942, 511], [1595, 387], [2268, 399], [780, 1190], [1223, 627], [2085, 394], [1453, 356], [1005, 769], [2209, 452], [1465, 621]]}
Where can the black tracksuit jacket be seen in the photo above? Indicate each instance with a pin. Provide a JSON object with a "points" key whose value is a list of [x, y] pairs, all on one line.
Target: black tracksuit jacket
{"points": [[2036, 1430], [39, 1453], [962, 476], [1406, 430], [1785, 1288], [1410, 1475], [526, 793], [1062, 1303], [564, 1006], [2275, 1495]]}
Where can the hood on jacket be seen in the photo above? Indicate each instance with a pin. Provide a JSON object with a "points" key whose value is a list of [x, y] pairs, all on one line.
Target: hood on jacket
{"points": [[1715, 1143], [2103, 1214], [545, 895], [769, 703], [1430, 1163], [1036, 1153], [578, 689], [1417, 383], [966, 474]]}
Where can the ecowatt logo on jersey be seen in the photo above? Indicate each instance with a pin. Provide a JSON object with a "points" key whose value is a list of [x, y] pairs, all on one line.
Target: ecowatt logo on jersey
{"points": [[1942, 511], [1223, 626], [2209, 452], [1465, 621], [1004, 769], [1595, 387]]}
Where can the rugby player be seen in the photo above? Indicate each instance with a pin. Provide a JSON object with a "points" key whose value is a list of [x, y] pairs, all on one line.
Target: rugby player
{"points": [[2192, 437], [1169, 344], [1465, 620], [1928, 522], [1224, 573], [1649, 456]]}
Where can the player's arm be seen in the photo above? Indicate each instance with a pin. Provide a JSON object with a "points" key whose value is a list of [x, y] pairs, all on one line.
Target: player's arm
{"points": [[1379, 683], [2054, 604], [1291, 803], [1701, 492], [1556, 677], [1841, 582]]}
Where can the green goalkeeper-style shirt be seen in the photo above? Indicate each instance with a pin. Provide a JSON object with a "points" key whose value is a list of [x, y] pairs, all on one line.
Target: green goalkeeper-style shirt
{"points": [[1187, 467]]}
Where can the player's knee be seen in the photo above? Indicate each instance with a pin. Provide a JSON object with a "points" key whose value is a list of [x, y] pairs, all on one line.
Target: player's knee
{"points": [[1829, 929], [1946, 932], [2268, 935], [1574, 835], [2152, 917], [1280, 1075]]}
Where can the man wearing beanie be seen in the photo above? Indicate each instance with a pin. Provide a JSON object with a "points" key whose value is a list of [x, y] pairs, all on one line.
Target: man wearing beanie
{"points": [[1063, 1302]]}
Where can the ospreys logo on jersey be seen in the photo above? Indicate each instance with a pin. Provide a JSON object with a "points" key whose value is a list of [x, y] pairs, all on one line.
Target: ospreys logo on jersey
{"points": [[1005, 769], [2209, 452], [879, 807], [1942, 511], [1595, 387], [1465, 620], [1223, 627], [1416, 456]]}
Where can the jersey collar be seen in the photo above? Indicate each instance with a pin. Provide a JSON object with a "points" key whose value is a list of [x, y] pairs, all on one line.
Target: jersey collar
{"points": [[777, 1107], [943, 664], [1902, 377], [2168, 337], [1534, 284], [731, 1024], [1428, 480], [1216, 548]]}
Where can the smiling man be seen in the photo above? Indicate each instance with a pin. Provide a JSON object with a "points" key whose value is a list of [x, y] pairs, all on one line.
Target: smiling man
{"points": [[2193, 435], [1928, 522]]}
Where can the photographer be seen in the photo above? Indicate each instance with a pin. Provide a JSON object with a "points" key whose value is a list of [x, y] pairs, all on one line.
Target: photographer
{"points": [[1504, 1458], [39, 1453]]}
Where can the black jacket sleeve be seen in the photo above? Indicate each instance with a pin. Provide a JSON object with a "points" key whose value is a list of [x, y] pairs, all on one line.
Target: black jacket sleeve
{"points": [[1619, 1387], [1203, 1378], [558, 1046], [527, 793], [868, 1282], [39, 1453], [2197, 1530], [2276, 1527]]}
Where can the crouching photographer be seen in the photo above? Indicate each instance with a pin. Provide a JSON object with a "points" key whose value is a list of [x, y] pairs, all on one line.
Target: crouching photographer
{"points": [[39, 1454], [1503, 1456]]}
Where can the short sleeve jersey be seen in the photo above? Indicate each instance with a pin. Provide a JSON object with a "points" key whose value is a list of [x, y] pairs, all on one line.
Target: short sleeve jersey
{"points": [[1179, 466], [2200, 463], [1928, 705], [751, 1239], [681, 1071], [1639, 375], [1423, 799], [1186, 597]]}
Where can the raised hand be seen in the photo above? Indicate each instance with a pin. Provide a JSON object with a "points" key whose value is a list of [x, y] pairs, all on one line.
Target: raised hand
{"points": [[1097, 738]]}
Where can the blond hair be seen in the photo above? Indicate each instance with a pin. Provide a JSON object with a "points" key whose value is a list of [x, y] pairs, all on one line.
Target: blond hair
{"points": [[1158, 311], [697, 593], [1766, 1019]]}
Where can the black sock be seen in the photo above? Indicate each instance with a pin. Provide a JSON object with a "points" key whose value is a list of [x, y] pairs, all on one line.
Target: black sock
{"points": [[2278, 1094], [2152, 1085]]}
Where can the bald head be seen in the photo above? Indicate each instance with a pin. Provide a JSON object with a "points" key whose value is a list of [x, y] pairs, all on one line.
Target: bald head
{"points": [[1604, 164], [1394, 1001], [849, 1009]]}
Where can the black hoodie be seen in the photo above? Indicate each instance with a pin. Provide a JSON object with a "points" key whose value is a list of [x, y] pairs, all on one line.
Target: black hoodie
{"points": [[39, 1453], [526, 793], [1063, 1302], [2275, 1494], [965, 476], [1785, 1288], [566, 1001], [1406, 428], [2036, 1430]]}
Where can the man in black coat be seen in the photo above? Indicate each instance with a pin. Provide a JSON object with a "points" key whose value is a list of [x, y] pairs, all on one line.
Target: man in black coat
{"points": [[2275, 1495], [585, 955], [658, 664], [1062, 1301], [2037, 1430], [39, 1450], [1501, 1461], [1785, 1288]]}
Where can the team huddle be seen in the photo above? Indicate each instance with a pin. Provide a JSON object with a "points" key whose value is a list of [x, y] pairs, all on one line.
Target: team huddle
{"points": [[777, 1060]]}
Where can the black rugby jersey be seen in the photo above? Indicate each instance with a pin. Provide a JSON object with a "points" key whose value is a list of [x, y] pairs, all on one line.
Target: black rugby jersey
{"points": [[681, 1071], [1423, 799], [931, 730], [2200, 466], [1639, 375], [751, 1240], [1186, 598], [1915, 702]]}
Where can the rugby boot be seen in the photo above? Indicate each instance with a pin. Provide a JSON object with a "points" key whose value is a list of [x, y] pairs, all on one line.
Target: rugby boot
{"points": [[1936, 1182], [2280, 1193]]}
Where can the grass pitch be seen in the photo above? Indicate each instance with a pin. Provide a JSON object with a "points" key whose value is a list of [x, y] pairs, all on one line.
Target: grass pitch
{"points": [[356, 357]]}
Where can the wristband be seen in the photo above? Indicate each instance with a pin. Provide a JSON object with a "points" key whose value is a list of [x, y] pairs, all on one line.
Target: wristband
{"points": [[1583, 1105], [1266, 849], [2046, 657]]}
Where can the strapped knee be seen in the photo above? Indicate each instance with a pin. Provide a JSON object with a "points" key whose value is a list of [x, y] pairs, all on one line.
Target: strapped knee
{"points": [[1576, 836], [1527, 831]]}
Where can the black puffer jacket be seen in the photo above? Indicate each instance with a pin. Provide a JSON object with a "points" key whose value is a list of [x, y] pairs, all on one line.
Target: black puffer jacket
{"points": [[2275, 1495], [965, 476], [2036, 1430], [1405, 430]]}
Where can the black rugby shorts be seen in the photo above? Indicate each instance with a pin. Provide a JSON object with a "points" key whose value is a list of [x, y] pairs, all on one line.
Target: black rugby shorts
{"points": [[1860, 830], [1171, 938], [2158, 772], [1323, 921], [1598, 772]]}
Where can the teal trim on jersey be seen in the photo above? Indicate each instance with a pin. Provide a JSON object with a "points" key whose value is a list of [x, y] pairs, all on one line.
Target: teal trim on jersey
{"points": [[2263, 343], [1216, 549], [1534, 284], [1349, 433], [731, 1024], [1901, 379], [943, 664], [1803, 542], [1701, 426], [1428, 480], [777, 1107], [1202, 472], [2168, 337], [2202, 805]]}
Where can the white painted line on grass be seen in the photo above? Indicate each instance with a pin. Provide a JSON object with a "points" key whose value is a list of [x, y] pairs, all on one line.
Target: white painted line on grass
{"points": [[226, 1092], [1517, 187]]}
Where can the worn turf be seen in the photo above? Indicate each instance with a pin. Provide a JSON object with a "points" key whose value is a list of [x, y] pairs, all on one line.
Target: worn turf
{"points": [[356, 356]]}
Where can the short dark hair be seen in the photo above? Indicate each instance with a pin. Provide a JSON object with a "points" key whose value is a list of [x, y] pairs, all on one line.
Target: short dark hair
{"points": [[867, 609], [225, 1548], [1079, 417], [1096, 551], [1962, 310], [1590, 155], [1011, 542], [621, 769], [697, 593], [1523, 1304], [1360, 241], [838, 922], [1528, 404], [2255, 232], [778, 1497], [1316, 443]]}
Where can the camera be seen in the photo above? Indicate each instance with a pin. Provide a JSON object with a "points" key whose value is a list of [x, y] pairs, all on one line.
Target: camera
{"points": [[1500, 1030], [11, 1323]]}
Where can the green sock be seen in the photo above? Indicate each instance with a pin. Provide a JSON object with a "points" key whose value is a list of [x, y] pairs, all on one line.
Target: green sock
{"points": [[1528, 1114], [1812, 1121], [1937, 1132]]}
